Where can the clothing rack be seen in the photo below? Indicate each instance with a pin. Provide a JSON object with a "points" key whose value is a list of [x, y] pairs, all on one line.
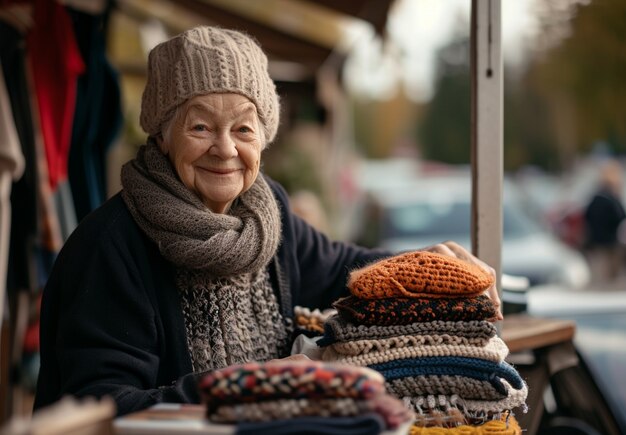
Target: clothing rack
{"points": [[60, 111]]}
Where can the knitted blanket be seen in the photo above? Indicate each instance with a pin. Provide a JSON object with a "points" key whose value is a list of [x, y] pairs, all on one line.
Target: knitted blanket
{"points": [[254, 382], [369, 352], [474, 332], [404, 311], [472, 408], [462, 386], [392, 410], [451, 365]]}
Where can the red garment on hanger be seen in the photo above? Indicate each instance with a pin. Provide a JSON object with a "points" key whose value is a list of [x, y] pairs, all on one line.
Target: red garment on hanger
{"points": [[56, 64]]}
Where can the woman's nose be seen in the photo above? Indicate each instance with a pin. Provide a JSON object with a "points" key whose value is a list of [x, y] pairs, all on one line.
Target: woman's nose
{"points": [[223, 146]]}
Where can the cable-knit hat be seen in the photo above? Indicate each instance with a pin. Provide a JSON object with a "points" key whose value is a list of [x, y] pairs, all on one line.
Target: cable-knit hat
{"points": [[206, 60]]}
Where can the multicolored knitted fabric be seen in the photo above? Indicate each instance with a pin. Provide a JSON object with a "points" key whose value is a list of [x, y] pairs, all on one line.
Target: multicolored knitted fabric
{"points": [[419, 274], [254, 382], [467, 388], [449, 365], [404, 311], [508, 425], [369, 352], [474, 332], [392, 410]]}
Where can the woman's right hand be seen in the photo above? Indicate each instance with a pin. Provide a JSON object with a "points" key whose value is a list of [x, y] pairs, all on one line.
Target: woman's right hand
{"points": [[455, 250]]}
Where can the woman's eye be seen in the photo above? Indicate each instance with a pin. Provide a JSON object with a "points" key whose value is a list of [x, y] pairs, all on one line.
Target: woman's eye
{"points": [[199, 127], [244, 129]]}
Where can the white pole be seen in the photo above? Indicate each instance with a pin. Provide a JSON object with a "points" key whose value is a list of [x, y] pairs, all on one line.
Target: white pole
{"points": [[487, 119]]}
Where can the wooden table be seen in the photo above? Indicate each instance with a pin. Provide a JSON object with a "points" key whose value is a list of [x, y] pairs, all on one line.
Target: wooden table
{"points": [[539, 348]]}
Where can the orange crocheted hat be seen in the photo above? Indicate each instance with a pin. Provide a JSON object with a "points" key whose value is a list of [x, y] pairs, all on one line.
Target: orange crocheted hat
{"points": [[419, 274]]}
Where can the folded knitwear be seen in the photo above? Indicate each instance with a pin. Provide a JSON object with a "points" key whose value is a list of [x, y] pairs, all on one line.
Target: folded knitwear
{"points": [[450, 365], [476, 332], [419, 274], [393, 411], [369, 352], [253, 382], [462, 386], [404, 311], [370, 424], [471, 408], [508, 425]]}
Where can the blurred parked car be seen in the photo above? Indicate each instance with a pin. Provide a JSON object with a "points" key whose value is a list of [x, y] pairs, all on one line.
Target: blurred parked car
{"points": [[429, 210]]}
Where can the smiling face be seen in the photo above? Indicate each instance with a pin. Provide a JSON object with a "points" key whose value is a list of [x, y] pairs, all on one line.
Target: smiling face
{"points": [[215, 147]]}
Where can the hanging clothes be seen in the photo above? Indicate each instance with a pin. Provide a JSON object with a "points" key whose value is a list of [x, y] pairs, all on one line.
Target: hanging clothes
{"points": [[11, 157], [24, 204], [56, 64], [98, 114], [11, 168]]}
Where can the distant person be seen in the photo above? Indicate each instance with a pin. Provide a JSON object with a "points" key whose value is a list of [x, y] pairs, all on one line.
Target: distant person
{"points": [[603, 217]]}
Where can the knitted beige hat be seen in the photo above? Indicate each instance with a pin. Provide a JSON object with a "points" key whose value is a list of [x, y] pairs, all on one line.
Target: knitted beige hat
{"points": [[206, 60]]}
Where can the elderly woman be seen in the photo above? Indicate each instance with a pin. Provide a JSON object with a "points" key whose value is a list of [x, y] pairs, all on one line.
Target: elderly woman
{"points": [[198, 262]]}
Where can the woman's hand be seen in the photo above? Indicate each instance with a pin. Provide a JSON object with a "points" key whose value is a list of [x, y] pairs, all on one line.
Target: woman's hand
{"points": [[453, 249]]}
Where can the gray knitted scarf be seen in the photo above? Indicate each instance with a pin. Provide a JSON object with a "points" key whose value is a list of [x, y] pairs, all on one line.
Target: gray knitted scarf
{"points": [[231, 312], [187, 232]]}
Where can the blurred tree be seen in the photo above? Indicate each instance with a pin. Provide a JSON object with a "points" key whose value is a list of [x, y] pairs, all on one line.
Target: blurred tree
{"points": [[583, 76], [445, 130], [380, 125], [528, 137]]}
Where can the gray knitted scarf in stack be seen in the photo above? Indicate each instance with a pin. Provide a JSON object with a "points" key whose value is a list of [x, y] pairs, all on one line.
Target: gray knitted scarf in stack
{"points": [[231, 313]]}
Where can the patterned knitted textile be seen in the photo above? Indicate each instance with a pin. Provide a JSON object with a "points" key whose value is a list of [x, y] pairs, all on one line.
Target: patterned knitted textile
{"points": [[449, 365], [392, 410], [508, 425], [255, 382], [404, 311], [369, 352], [468, 388], [419, 274], [231, 320], [475, 332], [474, 409]]}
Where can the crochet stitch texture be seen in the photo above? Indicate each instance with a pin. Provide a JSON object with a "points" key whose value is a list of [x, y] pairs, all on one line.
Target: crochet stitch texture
{"points": [[462, 386], [404, 311], [369, 352], [514, 399], [338, 329], [419, 274], [471, 367]]}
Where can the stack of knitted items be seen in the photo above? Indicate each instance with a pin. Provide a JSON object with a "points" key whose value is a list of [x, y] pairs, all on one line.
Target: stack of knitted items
{"points": [[302, 397], [421, 320]]}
